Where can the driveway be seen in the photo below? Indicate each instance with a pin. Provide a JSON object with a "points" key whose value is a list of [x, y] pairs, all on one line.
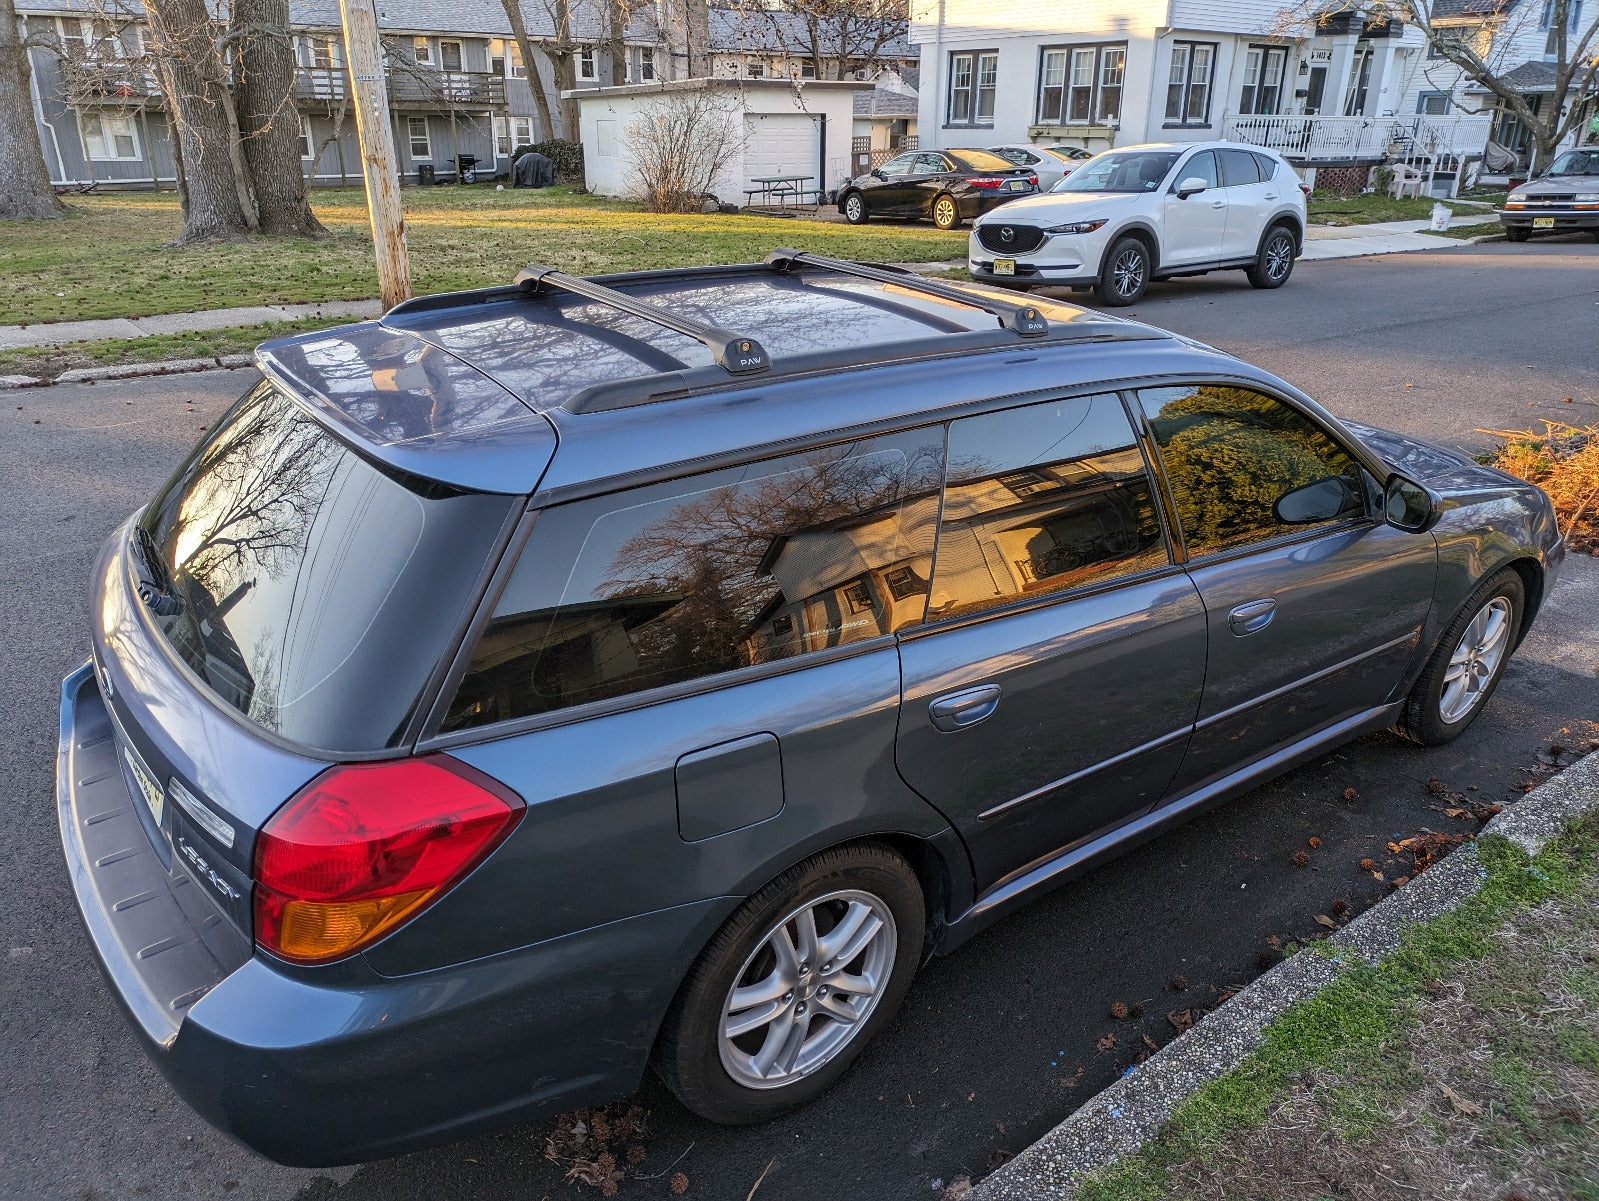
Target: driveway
{"points": [[995, 1043]]}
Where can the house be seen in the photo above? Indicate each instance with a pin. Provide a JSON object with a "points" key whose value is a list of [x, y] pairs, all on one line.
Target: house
{"points": [[1335, 96], [885, 122], [779, 127], [457, 86]]}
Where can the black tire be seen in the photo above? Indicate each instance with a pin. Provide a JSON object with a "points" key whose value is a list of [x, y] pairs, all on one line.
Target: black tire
{"points": [[946, 214], [688, 1053], [1423, 720], [854, 209], [1125, 273], [1274, 262], [1517, 233]]}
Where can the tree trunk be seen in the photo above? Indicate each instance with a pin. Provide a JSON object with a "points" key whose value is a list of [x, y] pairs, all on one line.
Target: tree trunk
{"points": [[197, 102], [562, 58], [697, 19], [268, 121], [616, 16], [25, 191], [530, 63]]}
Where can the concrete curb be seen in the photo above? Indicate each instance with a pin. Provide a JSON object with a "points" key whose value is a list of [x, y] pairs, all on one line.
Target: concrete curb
{"points": [[1117, 1121], [92, 375]]}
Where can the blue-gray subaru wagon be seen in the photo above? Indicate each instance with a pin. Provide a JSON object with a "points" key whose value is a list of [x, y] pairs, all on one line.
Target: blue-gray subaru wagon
{"points": [[548, 682]]}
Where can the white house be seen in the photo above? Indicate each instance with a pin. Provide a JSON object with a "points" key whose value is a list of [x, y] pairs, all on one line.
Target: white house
{"points": [[1343, 94], [783, 127]]}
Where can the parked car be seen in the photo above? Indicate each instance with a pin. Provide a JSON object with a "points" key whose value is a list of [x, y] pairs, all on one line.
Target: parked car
{"points": [[1050, 163], [546, 682], [946, 186], [1128, 216], [1564, 198]]}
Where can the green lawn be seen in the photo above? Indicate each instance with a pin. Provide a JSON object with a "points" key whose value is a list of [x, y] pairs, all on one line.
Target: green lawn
{"points": [[47, 362], [111, 257], [1327, 208]]}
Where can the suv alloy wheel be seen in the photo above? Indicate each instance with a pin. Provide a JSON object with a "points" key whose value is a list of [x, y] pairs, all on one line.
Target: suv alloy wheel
{"points": [[1125, 275]]}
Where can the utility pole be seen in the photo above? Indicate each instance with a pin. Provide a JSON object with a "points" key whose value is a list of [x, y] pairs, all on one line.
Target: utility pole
{"points": [[364, 53]]}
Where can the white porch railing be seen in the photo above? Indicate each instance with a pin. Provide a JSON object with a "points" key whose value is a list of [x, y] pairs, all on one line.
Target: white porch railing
{"points": [[1331, 139]]}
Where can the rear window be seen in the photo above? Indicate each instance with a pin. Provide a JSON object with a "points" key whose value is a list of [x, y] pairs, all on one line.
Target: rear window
{"points": [[982, 160], [309, 589]]}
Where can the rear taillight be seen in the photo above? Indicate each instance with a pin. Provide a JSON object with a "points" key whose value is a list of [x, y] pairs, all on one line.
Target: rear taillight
{"points": [[1305, 188], [364, 847], [986, 181], [1032, 181]]}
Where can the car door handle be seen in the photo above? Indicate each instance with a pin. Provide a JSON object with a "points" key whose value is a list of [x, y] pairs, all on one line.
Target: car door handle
{"points": [[1271, 195], [1218, 204], [958, 710], [1251, 617]]}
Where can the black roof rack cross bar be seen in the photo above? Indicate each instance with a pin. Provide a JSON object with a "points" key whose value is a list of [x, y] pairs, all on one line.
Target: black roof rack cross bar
{"points": [[733, 352], [1020, 317]]}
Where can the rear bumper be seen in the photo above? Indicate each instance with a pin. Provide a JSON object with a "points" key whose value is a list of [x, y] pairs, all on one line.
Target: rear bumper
{"points": [[314, 1067]]}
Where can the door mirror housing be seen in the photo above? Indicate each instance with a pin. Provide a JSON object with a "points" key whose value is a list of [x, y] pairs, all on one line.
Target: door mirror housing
{"points": [[1191, 186], [1324, 500], [1410, 506], [877, 173]]}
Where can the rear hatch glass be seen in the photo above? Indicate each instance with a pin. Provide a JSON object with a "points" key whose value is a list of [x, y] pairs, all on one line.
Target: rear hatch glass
{"points": [[307, 587]]}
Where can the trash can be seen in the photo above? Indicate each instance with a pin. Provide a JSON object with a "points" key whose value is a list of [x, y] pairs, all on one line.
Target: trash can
{"points": [[466, 168], [424, 174]]}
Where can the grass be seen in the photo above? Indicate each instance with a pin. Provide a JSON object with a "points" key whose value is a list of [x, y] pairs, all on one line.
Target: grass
{"points": [[1465, 1064], [1327, 208], [111, 257], [47, 362]]}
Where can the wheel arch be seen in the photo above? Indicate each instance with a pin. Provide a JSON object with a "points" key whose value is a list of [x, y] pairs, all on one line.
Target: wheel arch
{"points": [[1146, 234], [1292, 222], [1532, 586]]}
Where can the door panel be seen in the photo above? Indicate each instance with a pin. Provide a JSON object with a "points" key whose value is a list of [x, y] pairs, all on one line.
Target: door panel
{"points": [[1195, 228], [1247, 205], [1032, 729]]}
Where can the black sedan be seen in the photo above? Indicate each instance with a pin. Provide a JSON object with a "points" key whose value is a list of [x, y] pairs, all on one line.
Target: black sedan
{"points": [[948, 186]]}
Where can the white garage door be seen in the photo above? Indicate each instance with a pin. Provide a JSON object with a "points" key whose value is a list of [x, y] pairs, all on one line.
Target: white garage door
{"points": [[781, 144]]}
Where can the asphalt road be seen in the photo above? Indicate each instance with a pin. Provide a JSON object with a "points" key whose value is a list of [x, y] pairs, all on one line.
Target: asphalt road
{"points": [[996, 1043]]}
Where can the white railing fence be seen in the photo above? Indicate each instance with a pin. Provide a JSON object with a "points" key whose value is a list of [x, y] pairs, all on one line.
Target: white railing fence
{"points": [[1410, 140]]}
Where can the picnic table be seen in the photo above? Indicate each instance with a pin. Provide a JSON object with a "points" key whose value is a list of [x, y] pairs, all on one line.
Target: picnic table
{"points": [[775, 192]]}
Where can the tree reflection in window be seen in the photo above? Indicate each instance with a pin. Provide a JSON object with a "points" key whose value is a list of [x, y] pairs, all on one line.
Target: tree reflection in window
{"points": [[1042, 499], [676, 581], [1230, 454]]}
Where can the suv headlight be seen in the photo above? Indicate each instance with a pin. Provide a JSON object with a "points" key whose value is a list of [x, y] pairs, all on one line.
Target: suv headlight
{"points": [[1075, 227], [1588, 198], [1516, 198]]}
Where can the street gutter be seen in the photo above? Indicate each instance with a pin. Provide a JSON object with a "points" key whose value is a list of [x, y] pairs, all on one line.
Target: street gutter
{"points": [[1119, 1120]]}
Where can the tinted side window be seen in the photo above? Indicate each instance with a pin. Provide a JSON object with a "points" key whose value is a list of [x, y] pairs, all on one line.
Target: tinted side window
{"points": [[1042, 499], [685, 579], [1268, 167], [1230, 454], [899, 165], [933, 163], [1203, 165], [1238, 167]]}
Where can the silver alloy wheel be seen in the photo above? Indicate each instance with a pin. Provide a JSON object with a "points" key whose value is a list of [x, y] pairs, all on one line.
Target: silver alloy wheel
{"points": [[855, 207], [1279, 256], [944, 215], [1127, 272], [1476, 661], [807, 989]]}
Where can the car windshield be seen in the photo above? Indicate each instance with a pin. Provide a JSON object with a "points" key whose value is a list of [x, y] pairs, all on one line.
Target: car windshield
{"points": [[1576, 162], [1124, 171], [981, 160], [1068, 154]]}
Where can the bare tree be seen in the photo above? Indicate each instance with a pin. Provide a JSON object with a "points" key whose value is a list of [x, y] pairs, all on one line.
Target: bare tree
{"points": [[1484, 46], [834, 36], [681, 143], [559, 49], [531, 54], [25, 191], [263, 80]]}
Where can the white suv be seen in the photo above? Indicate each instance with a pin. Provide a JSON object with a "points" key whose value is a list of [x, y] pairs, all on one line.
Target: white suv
{"points": [[1148, 212]]}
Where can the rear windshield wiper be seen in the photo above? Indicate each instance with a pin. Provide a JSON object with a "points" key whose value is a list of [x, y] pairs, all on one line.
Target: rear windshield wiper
{"points": [[154, 581]]}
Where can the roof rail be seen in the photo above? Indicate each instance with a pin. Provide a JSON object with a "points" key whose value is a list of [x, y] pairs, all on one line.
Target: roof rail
{"points": [[1020, 317], [732, 352]]}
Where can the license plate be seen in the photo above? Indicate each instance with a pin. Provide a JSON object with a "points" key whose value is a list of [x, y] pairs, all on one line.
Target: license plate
{"points": [[149, 790], [1017, 185], [1004, 266], [1543, 222]]}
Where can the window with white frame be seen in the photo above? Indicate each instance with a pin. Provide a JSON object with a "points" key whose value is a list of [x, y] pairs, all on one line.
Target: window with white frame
{"points": [[108, 138], [422, 50], [755, 70], [1356, 94], [588, 63], [1432, 104], [417, 134], [83, 37], [449, 56], [503, 51], [1188, 83], [973, 77], [646, 63], [319, 52], [511, 132], [1263, 80], [808, 69], [307, 147], [1081, 85]]}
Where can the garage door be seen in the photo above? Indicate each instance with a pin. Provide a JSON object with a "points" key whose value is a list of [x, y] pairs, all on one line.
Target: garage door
{"points": [[782, 144]]}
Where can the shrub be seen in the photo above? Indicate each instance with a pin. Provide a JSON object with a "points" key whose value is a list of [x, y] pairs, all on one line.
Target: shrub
{"points": [[567, 157], [1563, 460], [680, 144]]}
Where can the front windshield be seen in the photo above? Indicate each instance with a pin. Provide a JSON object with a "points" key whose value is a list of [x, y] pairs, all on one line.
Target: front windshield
{"points": [[1121, 171], [1576, 162]]}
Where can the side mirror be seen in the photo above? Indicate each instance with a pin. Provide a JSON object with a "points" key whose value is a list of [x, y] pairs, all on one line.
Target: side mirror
{"points": [[1323, 500], [1410, 506], [877, 173], [1191, 186]]}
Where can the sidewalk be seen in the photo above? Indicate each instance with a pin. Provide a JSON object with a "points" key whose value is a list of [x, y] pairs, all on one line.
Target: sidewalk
{"points": [[59, 333]]}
